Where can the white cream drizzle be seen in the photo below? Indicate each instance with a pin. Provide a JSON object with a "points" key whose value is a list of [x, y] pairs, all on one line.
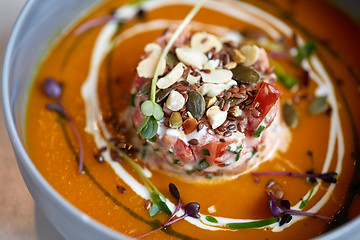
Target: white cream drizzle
{"points": [[247, 13]]}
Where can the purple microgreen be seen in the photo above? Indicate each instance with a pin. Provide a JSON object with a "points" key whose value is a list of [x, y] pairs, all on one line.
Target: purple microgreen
{"points": [[327, 177], [174, 191], [56, 108], [93, 23], [192, 209], [276, 210], [286, 218], [52, 88]]}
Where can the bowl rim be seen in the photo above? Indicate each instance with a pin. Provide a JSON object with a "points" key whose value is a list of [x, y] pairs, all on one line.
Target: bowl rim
{"points": [[36, 176], [18, 146]]}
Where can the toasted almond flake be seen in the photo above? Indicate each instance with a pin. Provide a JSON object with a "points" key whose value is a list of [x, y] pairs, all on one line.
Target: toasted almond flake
{"points": [[210, 102], [175, 101], [146, 68], [217, 76], [192, 79], [237, 56], [230, 65], [237, 111], [172, 77], [251, 53], [191, 57], [212, 90], [212, 209], [205, 42], [212, 64], [216, 117]]}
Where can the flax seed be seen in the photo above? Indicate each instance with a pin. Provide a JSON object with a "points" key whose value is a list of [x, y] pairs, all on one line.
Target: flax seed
{"points": [[193, 142], [227, 95], [226, 107], [227, 134]]}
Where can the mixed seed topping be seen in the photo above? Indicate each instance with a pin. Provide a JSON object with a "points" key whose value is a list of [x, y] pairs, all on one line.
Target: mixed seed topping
{"points": [[206, 82]]}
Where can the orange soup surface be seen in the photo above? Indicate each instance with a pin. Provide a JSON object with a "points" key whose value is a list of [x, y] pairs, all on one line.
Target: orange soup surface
{"points": [[313, 58]]}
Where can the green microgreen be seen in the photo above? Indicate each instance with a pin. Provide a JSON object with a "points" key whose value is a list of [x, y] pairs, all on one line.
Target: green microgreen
{"points": [[258, 131], [211, 219], [252, 224], [150, 108], [305, 51], [190, 172], [305, 202], [157, 198], [284, 78]]}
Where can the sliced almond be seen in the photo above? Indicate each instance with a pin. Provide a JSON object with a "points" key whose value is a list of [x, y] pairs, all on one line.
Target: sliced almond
{"points": [[251, 53], [192, 79], [172, 77], [175, 101], [210, 101], [205, 42], [191, 57], [230, 65], [237, 111], [217, 76], [216, 117], [146, 68], [237, 56], [212, 64], [212, 90]]}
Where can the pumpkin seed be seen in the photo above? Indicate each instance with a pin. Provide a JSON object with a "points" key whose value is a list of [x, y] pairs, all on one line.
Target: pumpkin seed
{"points": [[175, 120], [171, 60], [318, 105], [196, 104], [145, 89], [290, 115], [236, 101], [245, 74], [162, 94]]}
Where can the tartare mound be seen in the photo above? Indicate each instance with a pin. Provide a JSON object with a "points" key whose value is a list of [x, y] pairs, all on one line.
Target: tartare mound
{"points": [[219, 101]]}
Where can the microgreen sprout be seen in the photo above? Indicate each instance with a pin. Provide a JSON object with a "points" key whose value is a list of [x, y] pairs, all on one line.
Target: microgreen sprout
{"points": [[190, 210], [54, 89], [150, 108], [157, 198], [326, 177], [305, 51], [276, 210]]}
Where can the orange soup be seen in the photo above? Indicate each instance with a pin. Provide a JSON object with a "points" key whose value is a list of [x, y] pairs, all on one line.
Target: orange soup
{"points": [[298, 182]]}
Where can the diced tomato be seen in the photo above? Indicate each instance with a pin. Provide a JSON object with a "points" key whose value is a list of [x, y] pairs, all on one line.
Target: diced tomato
{"points": [[138, 82], [265, 99], [137, 117], [183, 151], [216, 150]]}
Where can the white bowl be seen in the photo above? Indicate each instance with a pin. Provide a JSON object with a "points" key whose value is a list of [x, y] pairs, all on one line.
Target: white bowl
{"points": [[37, 28]]}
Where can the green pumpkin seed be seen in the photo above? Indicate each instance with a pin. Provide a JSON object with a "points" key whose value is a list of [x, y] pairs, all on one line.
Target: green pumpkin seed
{"points": [[162, 94], [145, 89], [196, 104], [290, 115], [318, 105], [175, 120], [244, 74], [171, 60], [236, 101]]}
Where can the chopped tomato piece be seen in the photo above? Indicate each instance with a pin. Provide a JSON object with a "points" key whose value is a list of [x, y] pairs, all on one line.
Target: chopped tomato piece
{"points": [[216, 150], [139, 81], [137, 117], [183, 151], [265, 99]]}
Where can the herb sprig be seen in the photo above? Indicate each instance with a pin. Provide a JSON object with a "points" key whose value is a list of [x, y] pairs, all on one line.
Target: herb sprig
{"points": [[54, 89], [150, 108], [190, 210], [276, 210], [157, 198]]}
